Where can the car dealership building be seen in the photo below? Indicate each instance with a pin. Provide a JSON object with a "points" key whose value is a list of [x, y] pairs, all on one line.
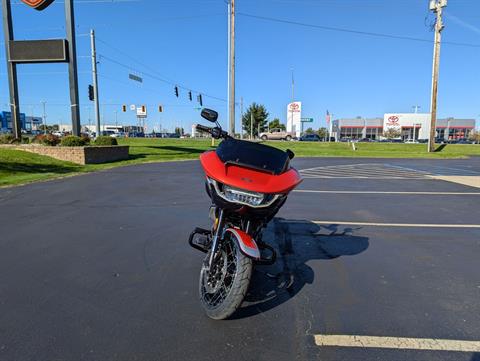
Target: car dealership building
{"points": [[407, 125]]}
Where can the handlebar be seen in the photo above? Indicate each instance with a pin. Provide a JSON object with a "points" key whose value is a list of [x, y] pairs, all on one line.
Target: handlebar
{"points": [[203, 128], [216, 132]]}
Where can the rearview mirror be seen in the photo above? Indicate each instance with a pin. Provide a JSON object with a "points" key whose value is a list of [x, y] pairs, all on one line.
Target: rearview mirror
{"points": [[210, 115]]}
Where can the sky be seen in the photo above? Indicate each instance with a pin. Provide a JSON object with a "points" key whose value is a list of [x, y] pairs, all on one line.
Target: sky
{"points": [[169, 42]]}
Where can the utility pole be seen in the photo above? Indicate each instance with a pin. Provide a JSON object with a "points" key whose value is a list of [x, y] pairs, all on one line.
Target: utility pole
{"points": [[231, 60], [241, 118], [44, 117], [437, 7], [95, 81]]}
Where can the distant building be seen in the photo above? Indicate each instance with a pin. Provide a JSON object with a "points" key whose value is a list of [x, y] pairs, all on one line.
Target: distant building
{"points": [[27, 123], [409, 126]]}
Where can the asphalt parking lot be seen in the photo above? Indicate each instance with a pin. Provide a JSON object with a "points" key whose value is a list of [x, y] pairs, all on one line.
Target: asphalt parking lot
{"points": [[378, 254]]}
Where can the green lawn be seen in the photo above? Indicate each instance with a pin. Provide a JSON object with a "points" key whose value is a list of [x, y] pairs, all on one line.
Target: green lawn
{"points": [[17, 167]]}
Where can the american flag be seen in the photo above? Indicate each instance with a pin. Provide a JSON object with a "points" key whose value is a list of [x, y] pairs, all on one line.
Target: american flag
{"points": [[327, 117]]}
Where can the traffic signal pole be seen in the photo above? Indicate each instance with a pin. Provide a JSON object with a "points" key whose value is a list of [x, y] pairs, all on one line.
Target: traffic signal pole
{"points": [[95, 82]]}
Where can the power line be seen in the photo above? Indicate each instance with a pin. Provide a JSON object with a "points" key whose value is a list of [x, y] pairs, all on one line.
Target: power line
{"points": [[164, 80], [351, 31]]}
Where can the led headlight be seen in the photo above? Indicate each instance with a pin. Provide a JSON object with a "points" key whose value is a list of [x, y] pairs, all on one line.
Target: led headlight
{"points": [[241, 196]]}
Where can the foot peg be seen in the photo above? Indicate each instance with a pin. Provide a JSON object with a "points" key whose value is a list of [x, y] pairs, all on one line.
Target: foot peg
{"points": [[200, 239]]}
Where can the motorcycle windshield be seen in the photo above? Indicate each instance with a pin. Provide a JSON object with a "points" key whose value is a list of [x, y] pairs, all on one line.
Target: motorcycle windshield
{"points": [[253, 155]]}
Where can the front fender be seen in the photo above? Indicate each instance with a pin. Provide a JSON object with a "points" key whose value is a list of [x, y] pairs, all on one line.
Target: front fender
{"points": [[247, 244]]}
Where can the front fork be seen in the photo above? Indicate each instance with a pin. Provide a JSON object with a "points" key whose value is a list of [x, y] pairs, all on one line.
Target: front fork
{"points": [[218, 230]]}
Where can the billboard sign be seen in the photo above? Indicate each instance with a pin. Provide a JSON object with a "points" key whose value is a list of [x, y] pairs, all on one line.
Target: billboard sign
{"points": [[294, 118], [38, 4]]}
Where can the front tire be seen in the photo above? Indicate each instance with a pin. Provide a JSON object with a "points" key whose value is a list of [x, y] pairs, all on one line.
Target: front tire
{"points": [[288, 138], [222, 291], [264, 137]]}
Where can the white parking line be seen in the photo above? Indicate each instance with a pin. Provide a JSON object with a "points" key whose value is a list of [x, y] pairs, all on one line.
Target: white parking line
{"points": [[388, 192], [424, 225], [431, 344]]}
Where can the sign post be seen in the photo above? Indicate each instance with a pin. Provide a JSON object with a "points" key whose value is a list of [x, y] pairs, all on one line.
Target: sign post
{"points": [[41, 51]]}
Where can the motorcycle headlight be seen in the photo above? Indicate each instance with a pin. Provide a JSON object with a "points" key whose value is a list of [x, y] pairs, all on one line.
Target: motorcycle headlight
{"points": [[241, 196]]}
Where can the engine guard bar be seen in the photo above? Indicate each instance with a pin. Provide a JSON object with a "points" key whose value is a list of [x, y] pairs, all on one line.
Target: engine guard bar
{"points": [[266, 261], [203, 232]]}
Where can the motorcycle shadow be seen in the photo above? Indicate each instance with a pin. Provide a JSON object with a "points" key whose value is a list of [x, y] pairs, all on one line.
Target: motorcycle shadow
{"points": [[296, 243]]}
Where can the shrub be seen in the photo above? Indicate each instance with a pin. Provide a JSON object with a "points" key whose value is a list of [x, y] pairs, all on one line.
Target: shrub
{"points": [[6, 138], [48, 140], [25, 140], [105, 140], [85, 138], [72, 141]]}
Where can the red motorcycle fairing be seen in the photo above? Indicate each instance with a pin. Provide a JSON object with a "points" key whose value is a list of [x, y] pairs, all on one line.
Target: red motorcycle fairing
{"points": [[247, 244], [248, 179]]}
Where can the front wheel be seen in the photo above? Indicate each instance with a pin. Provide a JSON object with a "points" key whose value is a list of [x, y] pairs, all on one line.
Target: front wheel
{"points": [[288, 138], [223, 289], [264, 137]]}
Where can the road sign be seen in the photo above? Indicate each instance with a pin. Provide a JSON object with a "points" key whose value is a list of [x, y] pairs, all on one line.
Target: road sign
{"points": [[142, 112], [135, 78], [307, 120]]}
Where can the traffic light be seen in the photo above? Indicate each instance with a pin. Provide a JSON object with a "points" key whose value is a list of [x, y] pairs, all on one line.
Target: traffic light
{"points": [[200, 100], [160, 109], [176, 91], [144, 109], [190, 95], [124, 108], [91, 94]]}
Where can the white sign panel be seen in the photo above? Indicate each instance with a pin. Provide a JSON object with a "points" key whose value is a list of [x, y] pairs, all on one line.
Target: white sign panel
{"points": [[142, 112], [294, 118], [405, 121]]}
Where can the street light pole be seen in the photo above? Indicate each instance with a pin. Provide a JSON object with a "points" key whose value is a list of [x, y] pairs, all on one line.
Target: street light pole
{"points": [[44, 117]]}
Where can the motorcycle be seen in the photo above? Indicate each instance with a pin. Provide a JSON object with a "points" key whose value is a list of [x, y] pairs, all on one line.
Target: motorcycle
{"points": [[248, 183]]}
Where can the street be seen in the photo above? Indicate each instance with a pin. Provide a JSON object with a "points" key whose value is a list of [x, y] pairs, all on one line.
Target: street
{"points": [[97, 267]]}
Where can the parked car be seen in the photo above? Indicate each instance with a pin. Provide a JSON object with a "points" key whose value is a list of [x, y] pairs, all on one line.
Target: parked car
{"points": [[310, 138], [411, 141], [277, 134], [118, 135]]}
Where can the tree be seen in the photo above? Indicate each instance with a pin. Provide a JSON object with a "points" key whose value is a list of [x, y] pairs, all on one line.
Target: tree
{"points": [[275, 124], [179, 131], [323, 133], [392, 133], [260, 116], [309, 131], [475, 137]]}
